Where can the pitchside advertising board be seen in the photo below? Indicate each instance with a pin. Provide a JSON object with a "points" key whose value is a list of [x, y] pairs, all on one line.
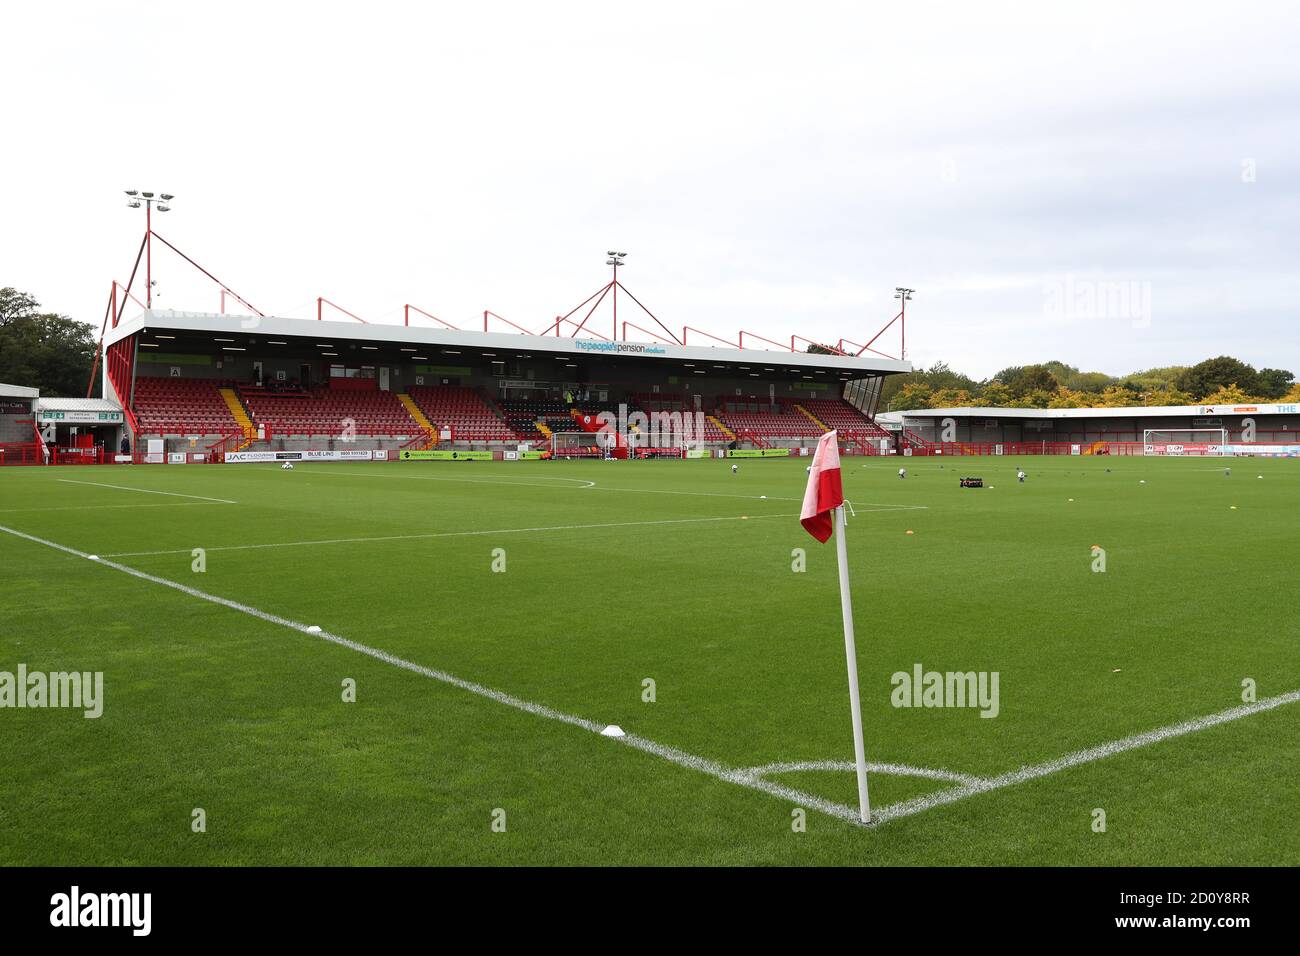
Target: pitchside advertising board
{"points": [[436, 455], [253, 457]]}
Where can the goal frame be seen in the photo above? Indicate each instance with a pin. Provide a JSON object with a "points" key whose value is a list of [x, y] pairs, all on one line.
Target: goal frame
{"points": [[1213, 444], [601, 444], [592, 448]]}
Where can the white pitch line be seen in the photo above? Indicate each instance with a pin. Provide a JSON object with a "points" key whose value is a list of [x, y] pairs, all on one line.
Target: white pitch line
{"points": [[486, 480], [442, 534], [161, 504], [146, 491], [664, 752], [1033, 772], [592, 486], [888, 769]]}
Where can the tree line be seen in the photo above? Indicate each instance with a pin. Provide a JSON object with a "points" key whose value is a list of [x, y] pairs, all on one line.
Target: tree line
{"points": [[42, 349], [1223, 380]]}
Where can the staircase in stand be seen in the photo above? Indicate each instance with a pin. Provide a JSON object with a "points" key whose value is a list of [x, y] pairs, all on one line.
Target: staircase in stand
{"points": [[721, 427], [812, 418], [240, 415], [417, 414]]}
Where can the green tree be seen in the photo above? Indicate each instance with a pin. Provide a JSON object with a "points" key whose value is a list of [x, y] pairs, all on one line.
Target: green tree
{"points": [[1034, 378], [1155, 379], [16, 305], [51, 352], [1117, 396], [1070, 377], [1069, 398], [1205, 377], [912, 395], [1166, 396], [951, 398], [994, 394], [1273, 383], [1228, 394]]}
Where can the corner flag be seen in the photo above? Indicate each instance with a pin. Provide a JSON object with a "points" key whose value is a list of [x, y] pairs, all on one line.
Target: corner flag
{"points": [[823, 497], [825, 491]]}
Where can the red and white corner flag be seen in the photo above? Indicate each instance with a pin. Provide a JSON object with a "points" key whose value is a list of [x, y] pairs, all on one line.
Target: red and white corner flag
{"points": [[825, 491], [822, 499]]}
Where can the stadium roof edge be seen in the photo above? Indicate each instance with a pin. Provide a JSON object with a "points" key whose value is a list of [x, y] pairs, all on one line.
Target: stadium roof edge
{"points": [[18, 391], [263, 326]]}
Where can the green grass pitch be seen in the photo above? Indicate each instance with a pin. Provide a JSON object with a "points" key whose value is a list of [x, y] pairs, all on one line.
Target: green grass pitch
{"points": [[680, 572]]}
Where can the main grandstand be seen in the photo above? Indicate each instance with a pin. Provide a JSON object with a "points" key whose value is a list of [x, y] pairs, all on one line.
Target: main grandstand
{"points": [[182, 387], [213, 387]]}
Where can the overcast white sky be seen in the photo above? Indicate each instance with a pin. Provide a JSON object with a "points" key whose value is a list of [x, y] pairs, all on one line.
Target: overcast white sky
{"points": [[778, 167]]}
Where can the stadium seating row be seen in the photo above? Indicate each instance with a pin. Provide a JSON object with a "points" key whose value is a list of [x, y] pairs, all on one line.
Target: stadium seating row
{"points": [[187, 406]]}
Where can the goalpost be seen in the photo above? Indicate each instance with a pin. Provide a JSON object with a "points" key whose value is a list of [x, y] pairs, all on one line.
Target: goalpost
{"points": [[602, 444], [1186, 442], [577, 445]]}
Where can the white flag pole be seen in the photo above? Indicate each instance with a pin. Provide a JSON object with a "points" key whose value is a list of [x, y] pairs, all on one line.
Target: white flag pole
{"points": [[851, 653]]}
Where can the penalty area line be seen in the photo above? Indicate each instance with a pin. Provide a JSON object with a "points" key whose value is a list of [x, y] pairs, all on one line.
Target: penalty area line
{"points": [[445, 534], [672, 755], [147, 491]]}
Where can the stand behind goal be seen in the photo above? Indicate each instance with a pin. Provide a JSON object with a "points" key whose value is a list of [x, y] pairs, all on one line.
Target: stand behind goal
{"points": [[1186, 442]]}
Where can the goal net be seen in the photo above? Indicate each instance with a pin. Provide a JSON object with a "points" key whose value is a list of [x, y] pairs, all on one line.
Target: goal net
{"points": [[579, 444], [1186, 442], [636, 444]]}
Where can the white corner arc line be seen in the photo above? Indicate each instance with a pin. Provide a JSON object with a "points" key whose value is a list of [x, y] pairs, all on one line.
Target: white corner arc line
{"points": [[888, 769], [146, 491]]}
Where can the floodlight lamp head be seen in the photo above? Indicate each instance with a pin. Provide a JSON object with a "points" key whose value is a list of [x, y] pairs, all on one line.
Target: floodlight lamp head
{"points": [[622, 255], [147, 195], [163, 207], [132, 192], [167, 197], [134, 204], [611, 252]]}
